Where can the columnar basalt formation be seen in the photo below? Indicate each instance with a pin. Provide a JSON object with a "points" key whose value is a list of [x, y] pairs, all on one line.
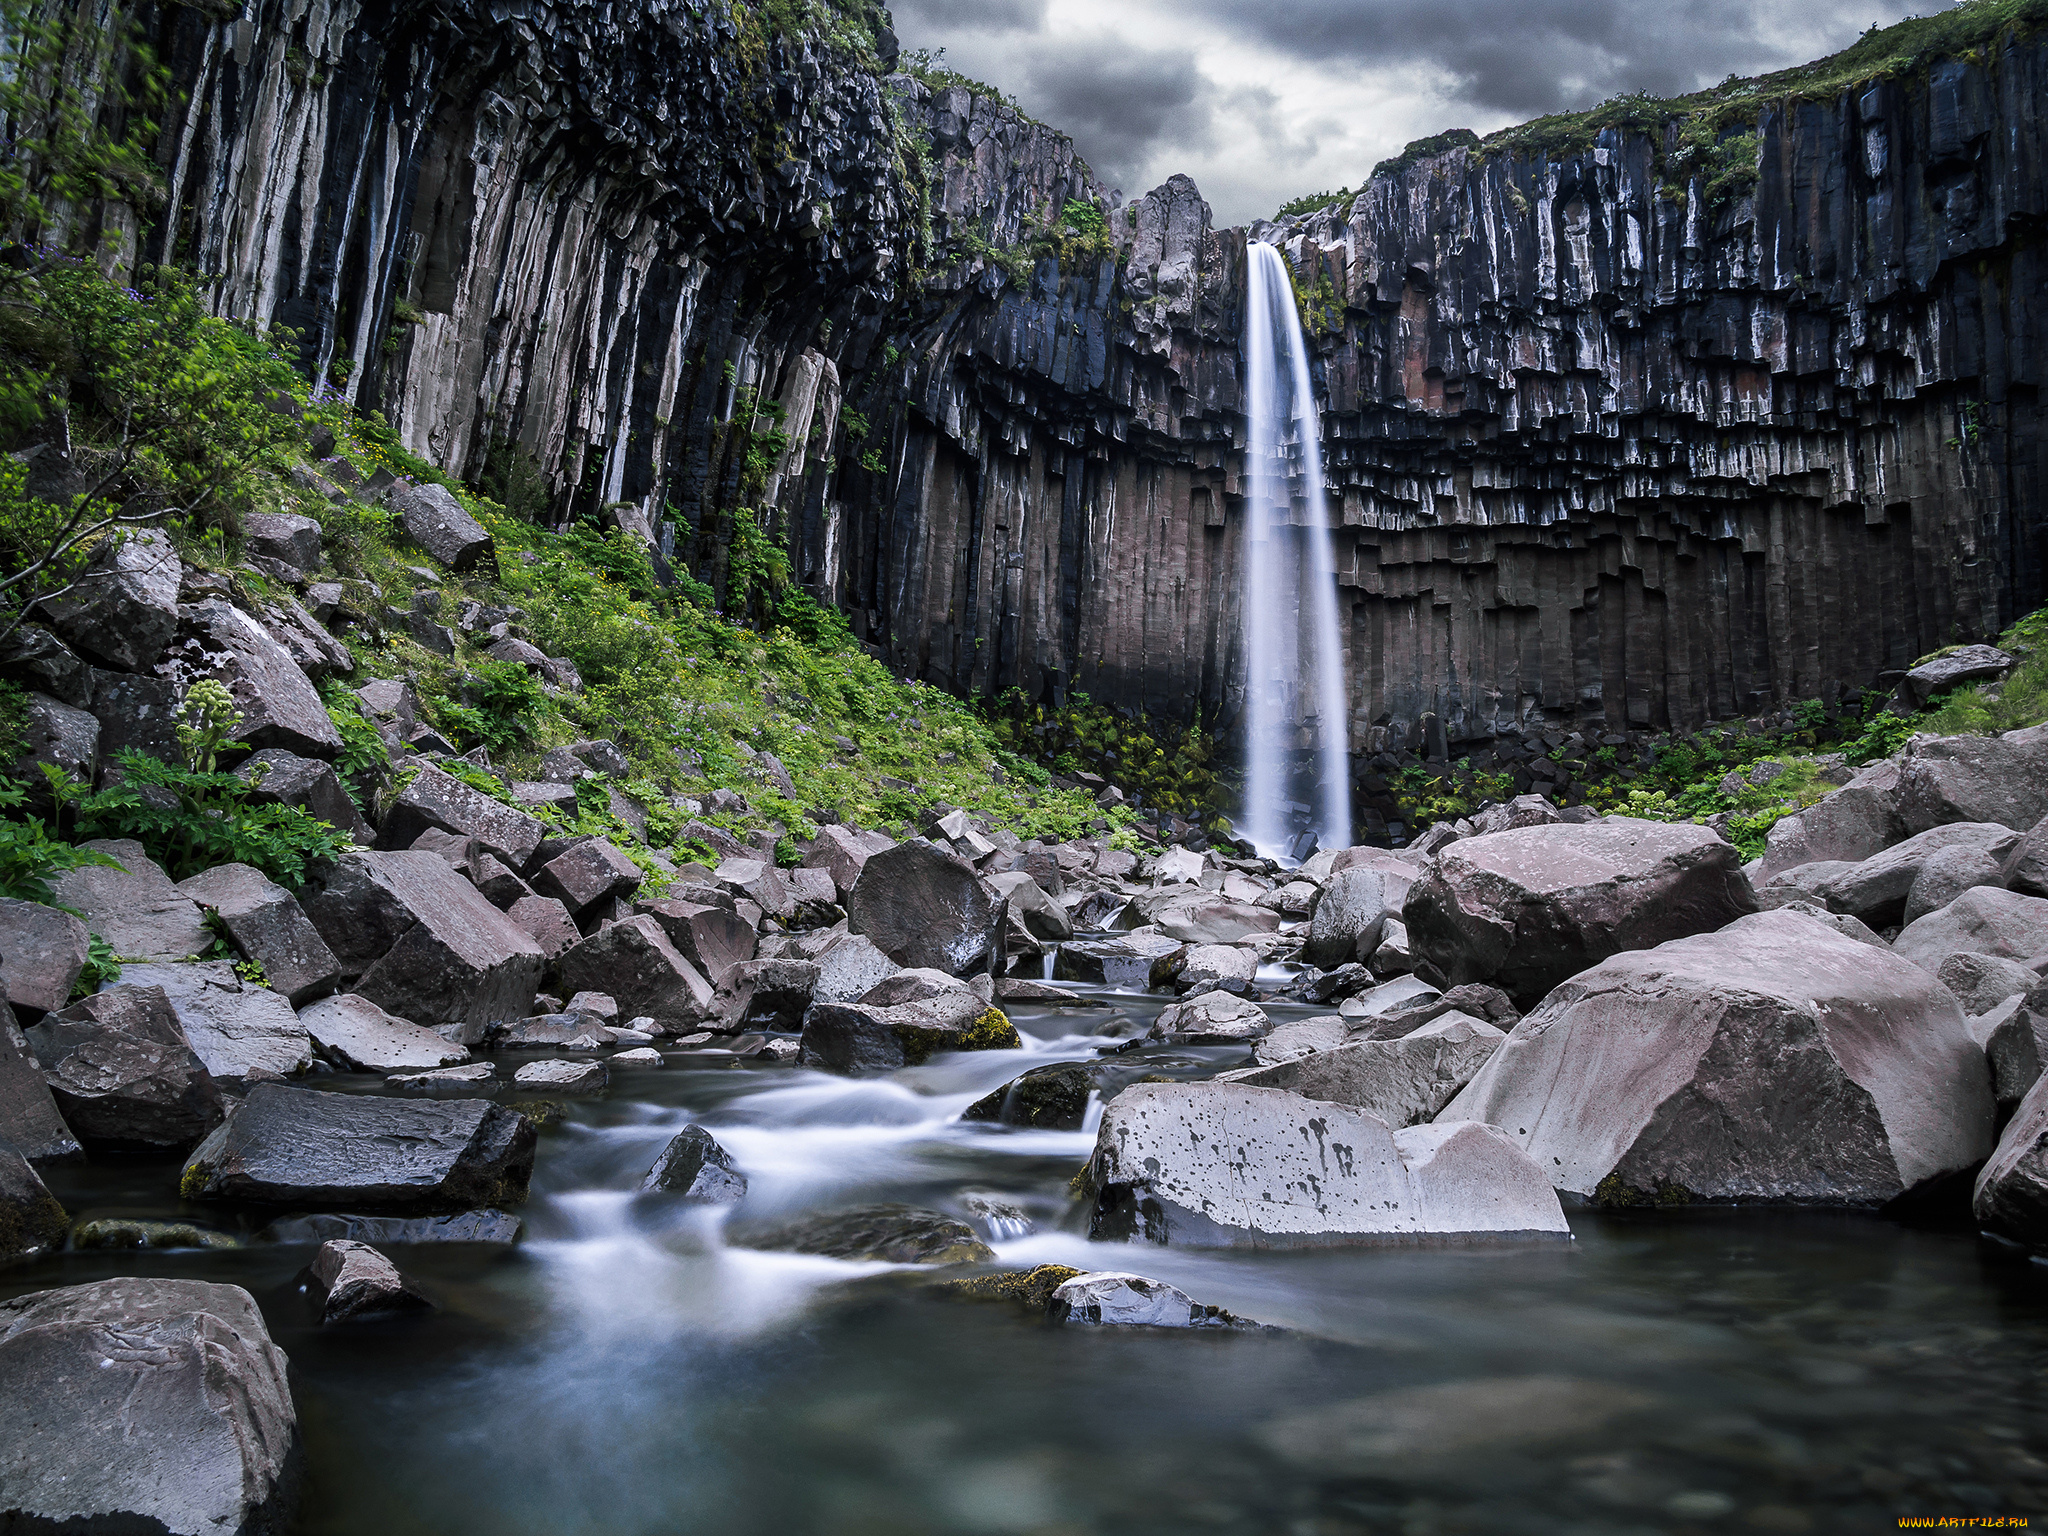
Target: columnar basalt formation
{"points": [[1603, 448]]}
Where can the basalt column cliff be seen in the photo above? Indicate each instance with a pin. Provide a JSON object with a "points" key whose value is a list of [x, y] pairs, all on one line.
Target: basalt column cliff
{"points": [[1609, 440]]}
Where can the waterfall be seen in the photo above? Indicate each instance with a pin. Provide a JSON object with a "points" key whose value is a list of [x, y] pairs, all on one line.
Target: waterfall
{"points": [[1294, 673]]}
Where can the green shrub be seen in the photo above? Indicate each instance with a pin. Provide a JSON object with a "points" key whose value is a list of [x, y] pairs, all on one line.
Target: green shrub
{"points": [[30, 858], [210, 820]]}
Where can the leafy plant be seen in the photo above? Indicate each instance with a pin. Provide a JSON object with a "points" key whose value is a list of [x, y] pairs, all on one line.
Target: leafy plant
{"points": [[195, 820], [102, 968], [30, 858], [206, 720]]}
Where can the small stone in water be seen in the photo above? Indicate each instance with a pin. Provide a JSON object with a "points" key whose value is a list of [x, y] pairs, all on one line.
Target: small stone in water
{"points": [[696, 1167], [445, 1077], [702, 1037], [587, 1043], [567, 1076], [1698, 1504], [646, 1056], [784, 1051]]}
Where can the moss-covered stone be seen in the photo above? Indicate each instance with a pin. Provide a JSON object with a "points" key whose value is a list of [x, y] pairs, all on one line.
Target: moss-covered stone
{"points": [[132, 1232], [1030, 1288], [1043, 1099], [893, 1234]]}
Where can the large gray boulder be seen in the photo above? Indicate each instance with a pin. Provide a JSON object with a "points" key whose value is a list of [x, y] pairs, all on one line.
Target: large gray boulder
{"points": [[419, 941], [1206, 968], [1984, 921], [635, 963], [1857, 820], [2011, 1196], [54, 735], [1196, 916], [284, 536], [2026, 867], [1124, 962], [1776, 1060], [546, 921], [587, 874], [1404, 1082], [146, 1406], [2004, 779], [278, 703], [123, 610], [1981, 982], [243, 1032], [1524, 910], [436, 522], [1964, 664], [124, 1074], [29, 1118], [712, 938], [1351, 913], [1225, 1165], [1876, 890], [850, 969], [354, 1032], [1043, 918], [42, 952], [2015, 1039], [301, 1147], [136, 712], [269, 927], [32, 1222], [864, 1037], [442, 802], [136, 908], [923, 906]]}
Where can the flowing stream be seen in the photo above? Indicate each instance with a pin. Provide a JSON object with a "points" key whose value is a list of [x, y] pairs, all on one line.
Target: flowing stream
{"points": [[622, 1372], [1294, 652]]}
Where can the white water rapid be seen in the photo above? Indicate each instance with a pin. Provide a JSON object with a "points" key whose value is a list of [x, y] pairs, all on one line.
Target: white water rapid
{"points": [[1294, 673]]}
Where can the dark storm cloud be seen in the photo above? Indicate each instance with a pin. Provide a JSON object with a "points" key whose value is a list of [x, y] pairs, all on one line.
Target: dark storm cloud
{"points": [[956, 16], [1120, 104]]}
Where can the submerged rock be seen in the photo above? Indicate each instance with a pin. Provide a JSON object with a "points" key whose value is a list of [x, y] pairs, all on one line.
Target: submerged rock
{"points": [[1043, 1099], [1030, 1288], [1113, 1299], [498, 1228], [892, 1234]]}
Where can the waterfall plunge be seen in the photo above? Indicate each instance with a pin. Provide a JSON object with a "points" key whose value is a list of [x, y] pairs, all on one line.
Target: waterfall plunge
{"points": [[1294, 672]]}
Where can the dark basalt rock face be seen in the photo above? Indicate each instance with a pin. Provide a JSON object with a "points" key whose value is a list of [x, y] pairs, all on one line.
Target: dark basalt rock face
{"points": [[1601, 454]]}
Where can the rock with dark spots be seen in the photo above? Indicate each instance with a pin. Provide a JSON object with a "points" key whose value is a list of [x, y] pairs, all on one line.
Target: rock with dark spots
{"points": [[2002, 779], [243, 1032], [420, 942], [351, 1280], [1210, 1018], [32, 1222], [858, 1037], [54, 735], [1225, 1165], [1124, 962], [278, 777], [301, 1147], [156, 1406], [1981, 982], [1775, 1060], [440, 800], [1857, 820], [1110, 1298], [889, 1234], [136, 908], [123, 610], [269, 927], [923, 906], [29, 1119], [1404, 1082], [1522, 811], [634, 962], [283, 536], [712, 938], [354, 1032], [42, 951], [767, 994], [135, 713], [123, 1073], [499, 1228], [436, 522], [696, 1167], [850, 969], [591, 872], [1876, 890], [278, 703], [1524, 910], [562, 1077], [545, 921], [1350, 914], [1984, 921], [1043, 918], [1043, 1099], [2011, 1196]]}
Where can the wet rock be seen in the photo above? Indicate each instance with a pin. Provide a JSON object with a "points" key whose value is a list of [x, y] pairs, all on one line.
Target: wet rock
{"points": [[474, 1074], [42, 952], [1981, 982], [1031, 1289], [712, 938], [1775, 1060], [135, 907], [28, 1113], [923, 906], [602, 1004], [591, 872], [1205, 968], [486, 1226], [1984, 921], [435, 521], [138, 713], [241, 1031], [354, 1032], [857, 1037], [420, 942], [850, 969], [1524, 910], [696, 1167], [94, 1234], [32, 1223], [890, 1234], [1108, 1298], [1124, 963], [123, 1073], [440, 801], [296, 1146], [545, 921], [269, 927], [278, 703], [1404, 1082], [1351, 913], [640, 1057], [123, 610], [1017, 989], [1210, 1018], [1043, 918], [768, 994], [1876, 890], [563, 1077], [1225, 1165], [41, 663], [634, 962], [922, 984], [146, 1405], [1043, 1099], [353, 1280], [2011, 1194], [2001, 779]]}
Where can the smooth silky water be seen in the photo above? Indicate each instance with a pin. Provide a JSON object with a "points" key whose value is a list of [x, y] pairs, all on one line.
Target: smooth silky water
{"points": [[621, 1372]]}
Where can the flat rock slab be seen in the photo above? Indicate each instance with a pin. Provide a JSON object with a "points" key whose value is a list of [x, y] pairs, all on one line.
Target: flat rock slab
{"points": [[1984, 921], [498, 1228], [1404, 1082], [278, 703], [146, 1405], [135, 908], [297, 1146], [1225, 1165], [437, 801], [562, 1076], [355, 1032], [475, 1074], [1776, 1060]]}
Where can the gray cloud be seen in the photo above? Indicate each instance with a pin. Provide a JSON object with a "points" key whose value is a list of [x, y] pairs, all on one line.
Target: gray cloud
{"points": [[1121, 105], [925, 17]]}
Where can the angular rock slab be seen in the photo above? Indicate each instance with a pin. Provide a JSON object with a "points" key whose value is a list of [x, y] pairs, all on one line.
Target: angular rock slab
{"points": [[1109, 1298], [278, 703], [1776, 1060], [355, 1280], [1943, 779], [135, 908], [29, 1118], [146, 1405], [1351, 913], [242, 1031], [124, 609], [923, 906], [436, 522], [355, 1032], [123, 1072], [437, 801], [1526, 909], [891, 1234], [32, 1222], [1876, 890], [634, 962], [1984, 921], [1404, 1082], [301, 1147], [42, 952], [270, 927], [2011, 1195], [1222, 1165]]}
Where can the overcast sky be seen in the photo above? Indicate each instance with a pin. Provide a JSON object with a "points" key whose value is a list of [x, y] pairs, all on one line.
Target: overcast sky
{"points": [[1265, 100]]}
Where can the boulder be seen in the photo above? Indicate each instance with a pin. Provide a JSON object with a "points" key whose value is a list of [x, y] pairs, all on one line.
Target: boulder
{"points": [[2011, 1195], [758, 881], [1404, 1082], [1522, 811], [436, 522], [1984, 921], [1124, 963], [1205, 968], [1043, 918], [2015, 1039], [278, 703], [124, 1074], [563, 1077], [767, 994], [2026, 867], [889, 1234], [42, 952], [590, 872], [1051, 1098], [923, 906], [1981, 982], [440, 800], [861, 1037], [314, 651], [696, 1167], [29, 1119], [1212, 1018], [241, 1031], [136, 908], [634, 961], [1876, 890], [32, 1223], [278, 777], [139, 713], [354, 1032], [1109, 1298], [123, 610], [1945, 779], [1841, 922], [269, 927], [1195, 916], [841, 852], [283, 536], [1298, 1038], [300, 1147], [1350, 914], [351, 1280], [712, 938], [1857, 820], [1964, 664], [603, 1004], [419, 941], [146, 1405], [1225, 1165], [54, 735], [850, 969], [1524, 910], [41, 663], [1775, 1060], [545, 921]]}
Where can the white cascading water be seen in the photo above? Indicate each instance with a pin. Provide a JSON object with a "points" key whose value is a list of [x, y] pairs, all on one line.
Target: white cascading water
{"points": [[1294, 673]]}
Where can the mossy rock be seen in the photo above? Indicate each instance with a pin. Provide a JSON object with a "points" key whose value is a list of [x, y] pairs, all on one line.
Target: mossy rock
{"points": [[1616, 1193], [1030, 1288], [134, 1232], [892, 1234], [991, 1031], [1043, 1099]]}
